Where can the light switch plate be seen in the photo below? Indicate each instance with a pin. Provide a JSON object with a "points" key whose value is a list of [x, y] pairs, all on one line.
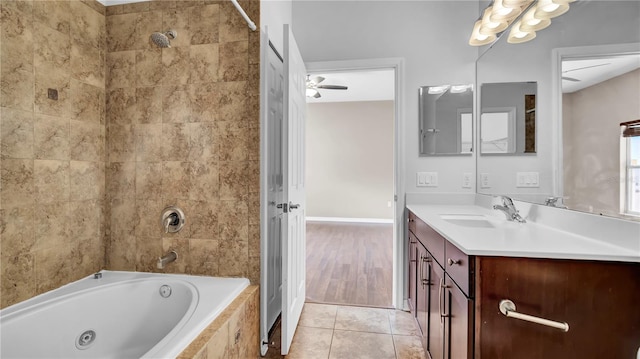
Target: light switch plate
{"points": [[466, 179], [527, 179], [427, 179], [485, 180]]}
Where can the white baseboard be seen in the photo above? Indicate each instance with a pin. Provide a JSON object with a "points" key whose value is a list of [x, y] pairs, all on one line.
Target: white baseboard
{"points": [[351, 220]]}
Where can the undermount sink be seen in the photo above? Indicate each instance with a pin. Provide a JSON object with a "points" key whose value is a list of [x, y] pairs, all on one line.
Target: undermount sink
{"points": [[468, 220]]}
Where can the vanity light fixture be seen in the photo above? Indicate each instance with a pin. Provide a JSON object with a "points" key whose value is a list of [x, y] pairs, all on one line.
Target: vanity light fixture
{"points": [[490, 27], [478, 39], [532, 23], [501, 13], [517, 35]]}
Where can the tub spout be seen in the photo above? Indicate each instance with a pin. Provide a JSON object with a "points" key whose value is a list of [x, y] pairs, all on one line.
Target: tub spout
{"points": [[166, 259]]}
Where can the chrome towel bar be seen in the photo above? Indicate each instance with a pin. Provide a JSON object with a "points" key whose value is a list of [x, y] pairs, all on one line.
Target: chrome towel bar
{"points": [[508, 308]]}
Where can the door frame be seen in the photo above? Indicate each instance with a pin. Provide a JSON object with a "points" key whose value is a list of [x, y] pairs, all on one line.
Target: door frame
{"points": [[397, 64]]}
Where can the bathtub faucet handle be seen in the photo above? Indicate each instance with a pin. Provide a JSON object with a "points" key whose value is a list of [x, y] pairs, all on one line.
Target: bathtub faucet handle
{"points": [[172, 219]]}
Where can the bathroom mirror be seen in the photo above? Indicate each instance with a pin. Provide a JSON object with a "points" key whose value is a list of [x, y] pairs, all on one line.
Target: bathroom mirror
{"points": [[508, 118], [569, 133], [446, 118]]}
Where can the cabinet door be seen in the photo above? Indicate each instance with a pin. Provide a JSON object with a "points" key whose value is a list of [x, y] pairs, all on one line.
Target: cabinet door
{"points": [[413, 272], [422, 291], [599, 301], [459, 328], [437, 323]]}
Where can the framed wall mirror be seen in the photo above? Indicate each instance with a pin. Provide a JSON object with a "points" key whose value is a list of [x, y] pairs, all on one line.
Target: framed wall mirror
{"points": [[574, 129], [508, 118], [446, 120]]}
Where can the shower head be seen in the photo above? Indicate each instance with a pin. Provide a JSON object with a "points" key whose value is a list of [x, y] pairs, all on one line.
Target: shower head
{"points": [[162, 39]]}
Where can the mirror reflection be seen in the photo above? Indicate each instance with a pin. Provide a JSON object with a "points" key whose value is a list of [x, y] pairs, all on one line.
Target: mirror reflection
{"points": [[446, 117], [583, 159], [601, 146], [508, 118]]}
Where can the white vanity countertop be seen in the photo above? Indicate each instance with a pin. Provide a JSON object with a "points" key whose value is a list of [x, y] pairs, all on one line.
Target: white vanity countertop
{"points": [[512, 239]]}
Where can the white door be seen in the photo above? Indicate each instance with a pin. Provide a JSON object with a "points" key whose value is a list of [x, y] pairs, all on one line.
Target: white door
{"points": [[293, 217], [273, 68]]}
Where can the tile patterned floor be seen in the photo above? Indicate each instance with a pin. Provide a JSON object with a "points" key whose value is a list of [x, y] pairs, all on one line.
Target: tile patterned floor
{"points": [[344, 332]]}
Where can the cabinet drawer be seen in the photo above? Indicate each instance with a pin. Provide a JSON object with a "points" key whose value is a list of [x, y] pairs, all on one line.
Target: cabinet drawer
{"points": [[431, 240], [460, 267]]}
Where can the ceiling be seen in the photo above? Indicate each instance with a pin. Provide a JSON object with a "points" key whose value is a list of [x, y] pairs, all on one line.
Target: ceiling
{"points": [[592, 71], [370, 85]]}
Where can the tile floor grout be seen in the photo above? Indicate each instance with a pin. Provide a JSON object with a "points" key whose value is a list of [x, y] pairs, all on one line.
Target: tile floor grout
{"points": [[349, 332]]}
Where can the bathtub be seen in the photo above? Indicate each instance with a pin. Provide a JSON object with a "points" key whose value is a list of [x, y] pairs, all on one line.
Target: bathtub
{"points": [[120, 315]]}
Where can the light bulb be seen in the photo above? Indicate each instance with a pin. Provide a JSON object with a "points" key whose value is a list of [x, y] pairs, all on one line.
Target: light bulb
{"points": [[531, 23], [478, 39], [518, 36], [499, 12], [489, 27], [548, 9]]}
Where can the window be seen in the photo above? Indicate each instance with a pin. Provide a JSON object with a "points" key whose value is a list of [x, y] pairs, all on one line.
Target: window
{"points": [[630, 186], [497, 130]]}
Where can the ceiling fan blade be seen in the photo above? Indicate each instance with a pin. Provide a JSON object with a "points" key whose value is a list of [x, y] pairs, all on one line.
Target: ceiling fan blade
{"points": [[332, 87], [570, 79], [586, 67], [317, 79]]}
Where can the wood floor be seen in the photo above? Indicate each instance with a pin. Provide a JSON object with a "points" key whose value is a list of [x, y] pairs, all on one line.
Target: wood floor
{"points": [[350, 263]]}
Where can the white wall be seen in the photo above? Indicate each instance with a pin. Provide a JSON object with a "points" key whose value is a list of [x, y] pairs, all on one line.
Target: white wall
{"points": [[432, 38], [349, 159], [592, 142]]}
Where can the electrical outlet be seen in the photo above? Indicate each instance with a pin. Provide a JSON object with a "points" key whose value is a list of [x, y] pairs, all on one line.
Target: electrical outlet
{"points": [[466, 179], [485, 180]]}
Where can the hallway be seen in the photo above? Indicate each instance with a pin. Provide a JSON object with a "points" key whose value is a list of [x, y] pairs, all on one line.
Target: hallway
{"points": [[350, 263]]}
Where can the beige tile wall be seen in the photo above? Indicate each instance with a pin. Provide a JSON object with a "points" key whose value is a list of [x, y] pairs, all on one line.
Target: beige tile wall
{"points": [[135, 128], [234, 334], [52, 152], [183, 129]]}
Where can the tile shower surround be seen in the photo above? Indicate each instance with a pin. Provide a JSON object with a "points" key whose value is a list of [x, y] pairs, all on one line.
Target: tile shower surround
{"points": [[135, 128]]}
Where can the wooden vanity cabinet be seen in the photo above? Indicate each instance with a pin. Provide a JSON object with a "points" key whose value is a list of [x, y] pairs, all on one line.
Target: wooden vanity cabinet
{"points": [[458, 305], [599, 300], [443, 311]]}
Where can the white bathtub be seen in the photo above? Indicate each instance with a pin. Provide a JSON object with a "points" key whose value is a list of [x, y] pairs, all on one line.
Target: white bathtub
{"points": [[121, 315]]}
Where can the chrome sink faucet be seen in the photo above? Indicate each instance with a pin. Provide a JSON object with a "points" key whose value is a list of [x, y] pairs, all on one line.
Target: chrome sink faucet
{"points": [[509, 209]]}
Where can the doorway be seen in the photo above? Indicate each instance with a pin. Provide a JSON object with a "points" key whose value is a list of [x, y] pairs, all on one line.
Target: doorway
{"points": [[350, 185]]}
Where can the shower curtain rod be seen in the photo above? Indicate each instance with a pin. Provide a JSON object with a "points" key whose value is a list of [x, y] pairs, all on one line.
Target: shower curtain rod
{"points": [[251, 24]]}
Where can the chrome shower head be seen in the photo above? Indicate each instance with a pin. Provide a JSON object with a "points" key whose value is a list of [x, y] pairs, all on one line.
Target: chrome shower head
{"points": [[162, 39]]}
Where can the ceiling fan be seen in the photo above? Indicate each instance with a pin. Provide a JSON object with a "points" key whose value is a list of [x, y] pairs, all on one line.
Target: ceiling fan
{"points": [[567, 78], [313, 84]]}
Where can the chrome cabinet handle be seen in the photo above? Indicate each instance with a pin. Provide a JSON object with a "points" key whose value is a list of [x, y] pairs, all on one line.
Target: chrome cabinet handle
{"points": [[426, 281], [421, 271], [508, 308], [452, 262], [442, 300]]}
